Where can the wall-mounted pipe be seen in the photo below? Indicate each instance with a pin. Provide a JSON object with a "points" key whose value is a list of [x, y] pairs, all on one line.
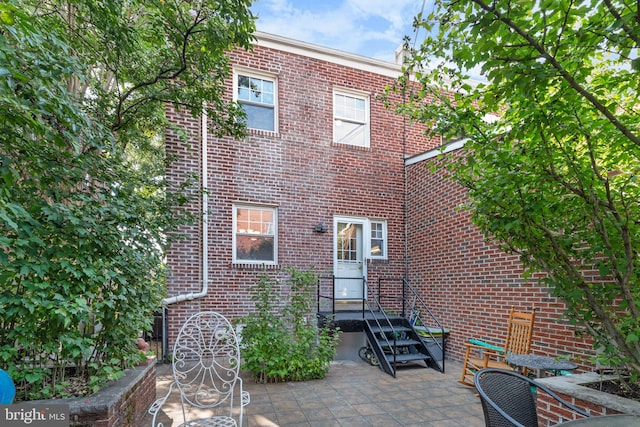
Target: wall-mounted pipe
{"points": [[204, 261]]}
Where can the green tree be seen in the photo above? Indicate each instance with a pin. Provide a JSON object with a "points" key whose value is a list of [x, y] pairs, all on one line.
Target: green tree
{"points": [[84, 215], [555, 177]]}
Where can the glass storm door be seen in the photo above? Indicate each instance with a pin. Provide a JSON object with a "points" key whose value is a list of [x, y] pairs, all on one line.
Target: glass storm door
{"points": [[349, 268]]}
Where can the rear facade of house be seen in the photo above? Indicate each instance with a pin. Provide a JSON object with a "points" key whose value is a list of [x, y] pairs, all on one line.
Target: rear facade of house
{"points": [[329, 178]]}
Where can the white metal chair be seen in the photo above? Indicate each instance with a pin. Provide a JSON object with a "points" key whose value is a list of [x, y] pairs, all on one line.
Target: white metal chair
{"points": [[206, 368]]}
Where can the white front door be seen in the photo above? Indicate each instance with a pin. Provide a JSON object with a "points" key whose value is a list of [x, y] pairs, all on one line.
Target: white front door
{"points": [[349, 265]]}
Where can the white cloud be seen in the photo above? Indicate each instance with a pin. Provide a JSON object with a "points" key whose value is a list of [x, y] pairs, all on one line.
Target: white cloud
{"points": [[372, 28], [394, 12]]}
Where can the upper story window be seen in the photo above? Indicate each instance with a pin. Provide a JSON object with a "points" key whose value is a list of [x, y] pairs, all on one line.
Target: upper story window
{"points": [[255, 234], [351, 118], [257, 94], [378, 239]]}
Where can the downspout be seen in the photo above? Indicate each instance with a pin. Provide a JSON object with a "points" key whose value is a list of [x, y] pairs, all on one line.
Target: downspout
{"points": [[405, 206], [205, 227]]}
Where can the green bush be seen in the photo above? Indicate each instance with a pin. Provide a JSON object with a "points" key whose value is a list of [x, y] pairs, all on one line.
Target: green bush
{"points": [[281, 340], [85, 212], [81, 229]]}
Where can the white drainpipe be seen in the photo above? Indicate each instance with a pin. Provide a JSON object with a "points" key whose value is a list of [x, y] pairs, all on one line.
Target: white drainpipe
{"points": [[205, 227]]}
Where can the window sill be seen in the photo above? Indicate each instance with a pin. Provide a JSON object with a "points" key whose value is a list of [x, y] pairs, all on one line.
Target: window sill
{"points": [[263, 133], [351, 146], [254, 266]]}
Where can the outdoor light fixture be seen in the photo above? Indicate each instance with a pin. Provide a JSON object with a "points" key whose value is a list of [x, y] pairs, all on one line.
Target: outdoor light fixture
{"points": [[320, 228]]}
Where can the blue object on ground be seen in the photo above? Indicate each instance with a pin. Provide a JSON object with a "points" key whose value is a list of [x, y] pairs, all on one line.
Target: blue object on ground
{"points": [[7, 388]]}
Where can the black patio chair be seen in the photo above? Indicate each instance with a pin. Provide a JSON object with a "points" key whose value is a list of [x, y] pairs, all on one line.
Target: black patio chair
{"points": [[509, 398]]}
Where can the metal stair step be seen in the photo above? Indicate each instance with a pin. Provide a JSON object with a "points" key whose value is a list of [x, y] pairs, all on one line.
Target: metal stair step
{"points": [[400, 343], [378, 329], [407, 357]]}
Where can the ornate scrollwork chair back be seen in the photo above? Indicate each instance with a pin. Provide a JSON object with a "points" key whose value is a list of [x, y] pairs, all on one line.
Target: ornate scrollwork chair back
{"points": [[206, 373]]}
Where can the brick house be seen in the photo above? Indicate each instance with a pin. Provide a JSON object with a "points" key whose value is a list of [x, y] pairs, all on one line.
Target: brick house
{"points": [[330, 178]]}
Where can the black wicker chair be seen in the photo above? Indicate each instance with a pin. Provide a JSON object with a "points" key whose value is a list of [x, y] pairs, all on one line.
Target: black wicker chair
{"points": [[509, 399]]}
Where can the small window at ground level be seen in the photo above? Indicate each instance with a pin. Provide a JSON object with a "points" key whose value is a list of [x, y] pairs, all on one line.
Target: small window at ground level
{"points": [[257, 94], [254, 234]]}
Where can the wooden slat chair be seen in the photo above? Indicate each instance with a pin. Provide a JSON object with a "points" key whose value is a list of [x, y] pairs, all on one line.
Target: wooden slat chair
{"points": [[480, 355]]}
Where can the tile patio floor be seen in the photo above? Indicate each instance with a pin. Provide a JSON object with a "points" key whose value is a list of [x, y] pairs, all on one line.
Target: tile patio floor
{"points": [[353, 394]]}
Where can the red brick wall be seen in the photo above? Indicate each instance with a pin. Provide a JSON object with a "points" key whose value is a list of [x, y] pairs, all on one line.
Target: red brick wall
{"points": [[470, 284], [301, 171], [124, 403], [183, 255], [550, 412]]}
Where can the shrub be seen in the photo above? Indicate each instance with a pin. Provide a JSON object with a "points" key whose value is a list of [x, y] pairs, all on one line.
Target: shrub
{"points": [[281, 340]]}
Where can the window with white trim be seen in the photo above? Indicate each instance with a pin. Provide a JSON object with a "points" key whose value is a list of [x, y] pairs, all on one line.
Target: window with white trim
{"points": [[378, 239], [258, 95], [255, 234], [351, 118]]}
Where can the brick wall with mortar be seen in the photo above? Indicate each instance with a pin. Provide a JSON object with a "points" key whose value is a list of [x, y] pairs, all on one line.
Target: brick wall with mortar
{"points": [[468, 282], [551, 413], [183, 255], [121, 403], [300, 170]]}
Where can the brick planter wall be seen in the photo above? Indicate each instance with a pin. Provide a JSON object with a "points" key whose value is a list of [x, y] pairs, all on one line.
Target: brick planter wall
{"points": [[592, 401], [122, 403]]}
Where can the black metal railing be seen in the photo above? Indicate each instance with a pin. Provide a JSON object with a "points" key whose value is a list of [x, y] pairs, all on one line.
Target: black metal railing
{"points": [[326, 300], [416, 310], [379, 318], [158, 337]]}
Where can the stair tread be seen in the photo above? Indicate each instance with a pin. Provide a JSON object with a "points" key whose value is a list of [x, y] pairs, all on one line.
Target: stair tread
{"points": [[390, 328], [407, 357], [400, 343]]}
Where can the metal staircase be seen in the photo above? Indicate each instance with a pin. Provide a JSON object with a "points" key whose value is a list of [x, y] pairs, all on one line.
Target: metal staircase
{"points": [[404, 337], [399, 328], [395, 343]]}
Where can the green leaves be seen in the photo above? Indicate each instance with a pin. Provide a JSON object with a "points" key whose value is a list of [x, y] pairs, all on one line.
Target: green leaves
{"points": [[555, 178], [280, 342], [84, 218]]}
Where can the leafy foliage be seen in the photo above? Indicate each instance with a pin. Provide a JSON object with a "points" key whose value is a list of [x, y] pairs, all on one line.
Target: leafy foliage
{"points": [[553, 147], [84, 215], [280, 342]]}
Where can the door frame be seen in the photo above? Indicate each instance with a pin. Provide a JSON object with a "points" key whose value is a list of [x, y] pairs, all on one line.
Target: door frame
{"points": [[364, 223]]}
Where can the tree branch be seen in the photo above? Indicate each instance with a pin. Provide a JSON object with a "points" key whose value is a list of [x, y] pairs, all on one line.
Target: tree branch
{"points": [[562, 71]]}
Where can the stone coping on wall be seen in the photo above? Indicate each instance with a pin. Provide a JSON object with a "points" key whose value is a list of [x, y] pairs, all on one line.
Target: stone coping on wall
{"points": [[102, 408], [572, 385]]}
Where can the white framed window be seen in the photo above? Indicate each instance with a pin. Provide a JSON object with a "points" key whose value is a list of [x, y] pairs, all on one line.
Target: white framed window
{"points": [[351, 117], [255, 234], [257, 92], [378, 239]]}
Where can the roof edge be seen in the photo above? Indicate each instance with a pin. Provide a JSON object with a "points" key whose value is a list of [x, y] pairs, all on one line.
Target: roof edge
{"points": [[327, 54], [446, 148]]}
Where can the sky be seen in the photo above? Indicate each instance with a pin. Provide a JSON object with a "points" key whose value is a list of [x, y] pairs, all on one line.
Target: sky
{"points": [[373, 28]]}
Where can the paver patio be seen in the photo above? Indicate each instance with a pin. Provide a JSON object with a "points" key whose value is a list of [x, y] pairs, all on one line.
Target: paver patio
{"points": [[353, 394]]}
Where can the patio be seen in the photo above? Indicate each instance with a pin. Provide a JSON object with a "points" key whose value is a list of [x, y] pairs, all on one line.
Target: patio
{"points": [[353, 394]]}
